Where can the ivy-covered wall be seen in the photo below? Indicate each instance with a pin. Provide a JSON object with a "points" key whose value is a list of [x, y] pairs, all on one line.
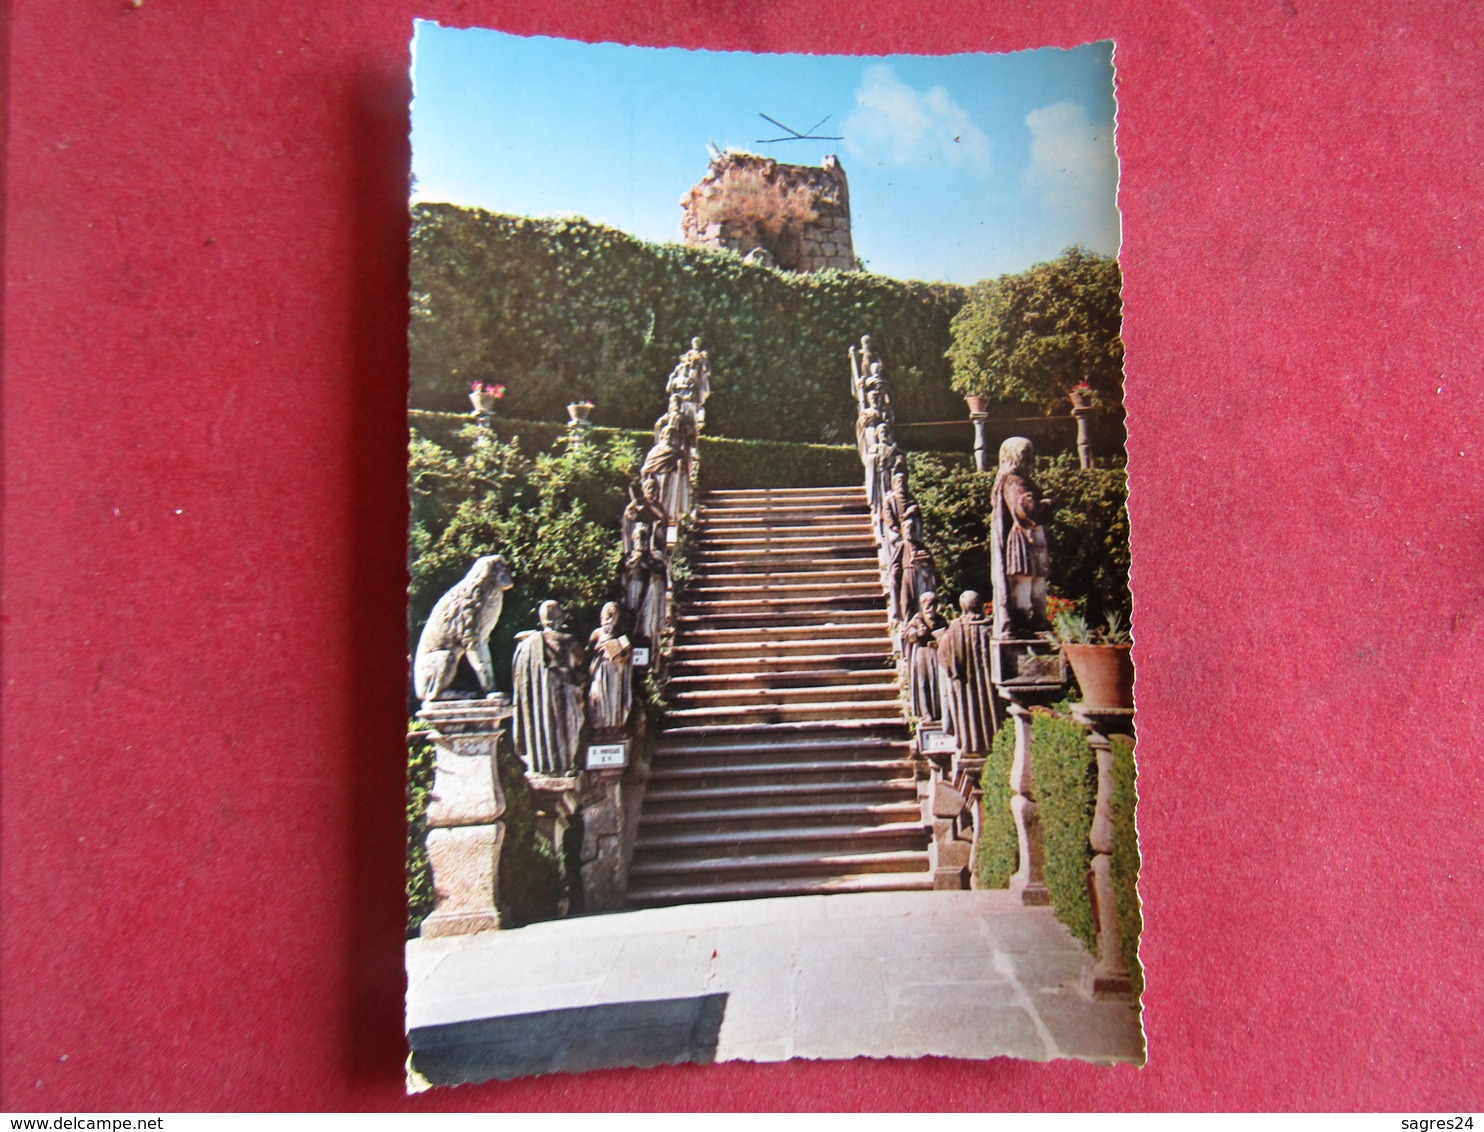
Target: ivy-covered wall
{"points": [[560, 309]]}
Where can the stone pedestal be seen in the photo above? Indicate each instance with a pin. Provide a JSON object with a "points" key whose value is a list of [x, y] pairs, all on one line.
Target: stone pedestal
{"points": [[1028, 673], [1084, 439], [602, 860], [465, 832], [557, 797], [950, 801], [1110, 975], [981, 441], [949, 855]]}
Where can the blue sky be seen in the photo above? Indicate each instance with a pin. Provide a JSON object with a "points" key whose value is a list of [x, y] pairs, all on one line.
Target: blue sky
{"points": [[961, 167]]}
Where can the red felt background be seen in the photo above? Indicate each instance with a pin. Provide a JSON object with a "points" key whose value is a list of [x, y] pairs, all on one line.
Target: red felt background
{"points": [[204, 377]]}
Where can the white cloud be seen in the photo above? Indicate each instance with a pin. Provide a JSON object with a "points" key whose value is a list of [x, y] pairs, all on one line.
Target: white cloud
{"points": [[1074, 173], [893, 122]]}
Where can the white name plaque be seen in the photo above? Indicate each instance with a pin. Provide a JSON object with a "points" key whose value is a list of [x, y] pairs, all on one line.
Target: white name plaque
{"points": [[602, 756], [641, 658], [936, 742]]}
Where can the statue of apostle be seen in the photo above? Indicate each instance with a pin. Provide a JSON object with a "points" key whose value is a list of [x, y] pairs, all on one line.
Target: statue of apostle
{"points": [[610, 689], [969, 697], [920, 638], [1020, 562], [646, 572], [668, 464], [550, 683]]}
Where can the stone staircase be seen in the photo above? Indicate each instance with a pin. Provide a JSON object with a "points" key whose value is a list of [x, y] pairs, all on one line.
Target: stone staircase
{"points": [[784, 766]]}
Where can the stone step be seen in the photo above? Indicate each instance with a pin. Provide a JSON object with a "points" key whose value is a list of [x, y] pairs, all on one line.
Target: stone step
{"points": [[758, 526], [730, 589], [693, 844], [765, 816], [742, 793], [788, 564], [821, 622], [741, 751], [655, 893], [795, 624], [800, 577], [783, 608], [841, 643], [767, 865], [781, 510], [756, 683], [825, 780], [877, 693], [775, 711], [816, 555], [768, 540], [883, 726], [827, 489], [739, 664]]}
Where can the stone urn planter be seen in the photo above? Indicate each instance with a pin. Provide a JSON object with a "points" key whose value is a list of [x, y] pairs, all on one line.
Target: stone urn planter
{"points": [[1104, 672], [977, 402], [483, 402], [1080, 398], [579, 411]]}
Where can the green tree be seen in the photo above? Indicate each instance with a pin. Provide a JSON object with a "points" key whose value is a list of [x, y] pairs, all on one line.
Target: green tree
{"points": [[1030, 337]]}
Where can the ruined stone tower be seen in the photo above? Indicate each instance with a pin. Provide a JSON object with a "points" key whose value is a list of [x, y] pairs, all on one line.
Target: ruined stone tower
{"points": [[799, 215]]}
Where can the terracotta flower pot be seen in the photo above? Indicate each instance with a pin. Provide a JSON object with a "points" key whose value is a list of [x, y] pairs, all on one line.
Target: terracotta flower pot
{"points": [[978, 403], [579, 411], [1105, 674]]}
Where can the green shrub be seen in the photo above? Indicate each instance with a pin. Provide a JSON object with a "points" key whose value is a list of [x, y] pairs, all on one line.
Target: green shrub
{"points": [[1066, 788], [1125, 858], [954, 498], [999, 849], [1088, 535], [561, 309], [420, 757]]}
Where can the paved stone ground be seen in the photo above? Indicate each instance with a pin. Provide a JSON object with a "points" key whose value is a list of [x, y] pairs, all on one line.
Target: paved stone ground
{"points": [[889, 974]]}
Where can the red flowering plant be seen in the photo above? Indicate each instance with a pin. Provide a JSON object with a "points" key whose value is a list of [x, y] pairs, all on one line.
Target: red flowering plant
{"points": [[493, 390], [1082, 395], [1056, 606]]}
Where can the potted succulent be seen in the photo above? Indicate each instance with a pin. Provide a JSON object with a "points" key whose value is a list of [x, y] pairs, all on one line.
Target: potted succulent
{"points": [[1100, 659], [483, 396]]}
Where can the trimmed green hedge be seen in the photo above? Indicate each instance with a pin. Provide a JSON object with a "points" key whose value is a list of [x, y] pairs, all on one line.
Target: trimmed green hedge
{"points": [[1066, 787], [1125, 858], [727, 463], [999, 849], [420, 757], [561, 309]]}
